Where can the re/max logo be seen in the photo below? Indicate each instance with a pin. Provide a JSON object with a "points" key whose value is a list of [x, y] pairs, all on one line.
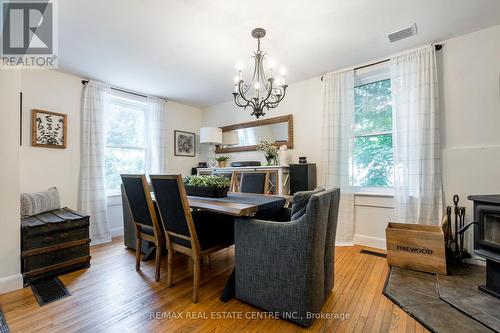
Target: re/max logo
{"points": [[418, 250]]}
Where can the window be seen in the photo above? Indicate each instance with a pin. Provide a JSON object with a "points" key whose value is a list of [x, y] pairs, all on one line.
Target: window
{"points": [[372, 146], [125, 150]]}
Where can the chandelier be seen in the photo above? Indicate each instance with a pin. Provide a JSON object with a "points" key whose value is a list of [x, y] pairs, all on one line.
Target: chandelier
{"points": [[267, 92]]}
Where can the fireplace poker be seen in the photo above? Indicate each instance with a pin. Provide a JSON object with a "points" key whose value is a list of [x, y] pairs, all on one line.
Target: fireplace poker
{"points": [[455, 202]]}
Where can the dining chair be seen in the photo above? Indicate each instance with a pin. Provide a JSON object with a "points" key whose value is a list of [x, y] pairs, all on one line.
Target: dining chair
{"points": [[254, 182], [196, 234], [145, 217], [288, 267], [228, 175]]}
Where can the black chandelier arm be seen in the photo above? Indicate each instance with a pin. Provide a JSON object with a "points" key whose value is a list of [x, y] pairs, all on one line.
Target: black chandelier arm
{"points": [[273, 104], [261, 68], [238, 102], [269, 92], [241, 94]]}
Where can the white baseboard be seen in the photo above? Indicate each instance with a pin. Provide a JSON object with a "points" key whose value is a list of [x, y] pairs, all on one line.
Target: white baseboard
{"points": [[10, 283], [114, 232], [344, 244], [375, 242]]}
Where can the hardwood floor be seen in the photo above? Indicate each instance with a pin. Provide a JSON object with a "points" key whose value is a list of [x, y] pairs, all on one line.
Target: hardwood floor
{"points": [[112, 297]]}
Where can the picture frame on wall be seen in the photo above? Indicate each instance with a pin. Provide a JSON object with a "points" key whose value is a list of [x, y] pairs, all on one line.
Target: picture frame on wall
{"points": [[49, 129], [184, 143]]}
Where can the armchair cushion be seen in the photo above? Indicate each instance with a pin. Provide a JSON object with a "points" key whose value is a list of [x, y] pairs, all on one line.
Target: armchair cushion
{"points": [[300, 200]]}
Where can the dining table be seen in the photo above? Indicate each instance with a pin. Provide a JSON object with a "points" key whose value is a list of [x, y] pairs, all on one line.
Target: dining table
{"points": [[261, 206]]}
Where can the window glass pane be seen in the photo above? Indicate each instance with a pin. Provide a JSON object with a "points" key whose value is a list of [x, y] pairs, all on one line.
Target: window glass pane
{"points": [[372, 108], [373, 163], [124, 126], [121, 160]]}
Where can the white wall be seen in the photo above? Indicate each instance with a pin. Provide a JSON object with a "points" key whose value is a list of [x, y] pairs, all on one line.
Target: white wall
{"points": [[470, 87], [184, 118], [470, 97], [42, 168], [10, 86]]}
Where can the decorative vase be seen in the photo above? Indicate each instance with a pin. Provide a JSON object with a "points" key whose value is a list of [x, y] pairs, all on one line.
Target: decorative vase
{"points": [[222, 164], [302, 160], [271, 160]]}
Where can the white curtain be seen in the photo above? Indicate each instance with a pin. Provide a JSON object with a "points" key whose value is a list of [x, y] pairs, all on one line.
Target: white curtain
{"points": [[416, 141], [156, 117], [338, 121], [92, 194]]}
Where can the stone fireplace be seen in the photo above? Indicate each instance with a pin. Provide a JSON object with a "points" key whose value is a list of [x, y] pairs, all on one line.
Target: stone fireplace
{"points": [[487, 238]]}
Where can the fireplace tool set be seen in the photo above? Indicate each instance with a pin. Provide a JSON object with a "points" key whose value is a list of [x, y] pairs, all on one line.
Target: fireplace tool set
{"points": [[454, 235]]}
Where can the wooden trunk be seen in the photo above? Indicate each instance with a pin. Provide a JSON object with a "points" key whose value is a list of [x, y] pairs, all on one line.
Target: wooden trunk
{"points": [[54, 243], [415, 246]]}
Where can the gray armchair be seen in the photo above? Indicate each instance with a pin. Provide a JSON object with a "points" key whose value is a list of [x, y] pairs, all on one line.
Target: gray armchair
{"points": [[287, 267]]}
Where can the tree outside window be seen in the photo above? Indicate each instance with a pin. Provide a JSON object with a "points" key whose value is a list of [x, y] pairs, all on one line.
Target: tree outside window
{"points": [[125, 150], [372, 146]]}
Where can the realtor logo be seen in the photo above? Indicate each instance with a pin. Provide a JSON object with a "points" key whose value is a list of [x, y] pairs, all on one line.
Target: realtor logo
{"points": [[28, 34]]}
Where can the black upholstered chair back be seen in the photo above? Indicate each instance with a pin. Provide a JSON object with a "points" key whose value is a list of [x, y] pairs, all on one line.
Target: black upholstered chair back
{"points": [[253, 182], [171, 199], [227, 175], [134, 189]]}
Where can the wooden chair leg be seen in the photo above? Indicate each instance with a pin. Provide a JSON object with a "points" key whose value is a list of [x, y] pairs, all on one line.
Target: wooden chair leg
{"points": [[196, 279], [138, 246], [157, 262], [170, 259]]}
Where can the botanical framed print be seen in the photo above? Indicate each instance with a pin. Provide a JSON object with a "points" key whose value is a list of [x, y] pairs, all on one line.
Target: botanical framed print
{"points": [[48, 129], [185, 143]]}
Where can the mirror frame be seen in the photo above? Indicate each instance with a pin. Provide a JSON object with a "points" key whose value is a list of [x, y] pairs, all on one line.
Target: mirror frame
{"points": [[269, 121]]}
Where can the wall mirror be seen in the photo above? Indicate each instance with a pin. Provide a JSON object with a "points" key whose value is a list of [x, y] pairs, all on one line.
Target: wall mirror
{"points": [[246, 136]]}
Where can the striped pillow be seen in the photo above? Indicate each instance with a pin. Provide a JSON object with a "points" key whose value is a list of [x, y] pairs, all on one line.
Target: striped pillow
{"points": [[39, 202]]}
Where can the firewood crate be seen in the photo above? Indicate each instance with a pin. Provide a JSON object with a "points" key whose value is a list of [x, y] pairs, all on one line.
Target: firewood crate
{"points": [[416, 246]]}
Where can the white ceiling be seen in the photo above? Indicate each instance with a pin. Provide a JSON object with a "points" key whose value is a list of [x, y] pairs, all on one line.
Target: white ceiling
{"points": [[186, 50]]}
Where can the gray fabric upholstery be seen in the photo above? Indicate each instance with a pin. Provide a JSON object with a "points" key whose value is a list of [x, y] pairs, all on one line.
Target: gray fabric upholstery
{"points": [[40, 202], [331, 232], [300, 200], [281, 266]]}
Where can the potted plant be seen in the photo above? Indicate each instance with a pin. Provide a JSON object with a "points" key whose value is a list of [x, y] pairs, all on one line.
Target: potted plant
{"points": [[270, 151], [222, 161], [207, 186]]}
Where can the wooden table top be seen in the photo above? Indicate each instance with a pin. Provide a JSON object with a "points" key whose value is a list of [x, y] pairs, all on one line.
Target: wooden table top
{"points": [[225, 206]]}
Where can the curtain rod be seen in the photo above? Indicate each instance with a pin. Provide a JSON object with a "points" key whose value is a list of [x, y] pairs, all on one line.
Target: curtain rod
{"points": [[84, 82], [437, 47]]}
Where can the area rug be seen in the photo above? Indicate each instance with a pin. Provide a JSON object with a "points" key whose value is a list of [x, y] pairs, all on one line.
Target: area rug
{"points": [[417, 294], [3, 324]]}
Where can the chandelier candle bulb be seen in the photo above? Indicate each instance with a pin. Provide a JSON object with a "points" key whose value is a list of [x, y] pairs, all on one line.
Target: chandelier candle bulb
{"points": [[236, 80]]}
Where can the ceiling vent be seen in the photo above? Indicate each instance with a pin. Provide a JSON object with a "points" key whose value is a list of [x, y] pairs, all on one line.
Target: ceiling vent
{"points": [[403, 33]]}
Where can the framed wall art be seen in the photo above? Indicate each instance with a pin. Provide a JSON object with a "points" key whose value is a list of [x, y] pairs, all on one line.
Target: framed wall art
{"points": [[185, 143], [49, 129]]}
